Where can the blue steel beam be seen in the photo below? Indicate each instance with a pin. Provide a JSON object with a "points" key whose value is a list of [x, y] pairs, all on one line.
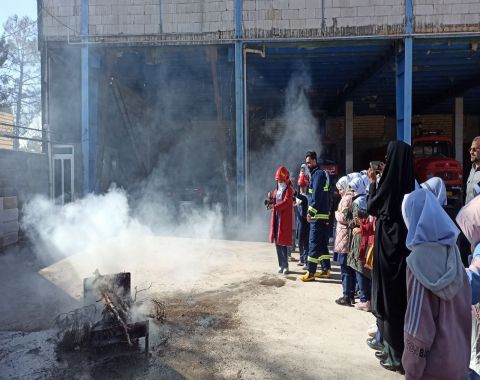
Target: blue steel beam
{"points": [[403, 63], [84, 106], [239, 112]]}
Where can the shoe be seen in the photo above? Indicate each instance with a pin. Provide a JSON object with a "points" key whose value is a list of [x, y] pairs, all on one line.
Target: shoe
{"points": [[392, 367], [307, 277], [364, 306], [374, 345], [342, 301], [280, 270], [372, 330], [357, 294], [300, 264], [286, 271], [323, 274], [381, 355]]}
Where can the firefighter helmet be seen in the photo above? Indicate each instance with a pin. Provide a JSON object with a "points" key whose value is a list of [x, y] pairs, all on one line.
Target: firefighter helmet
{"points": [[281, 174]]}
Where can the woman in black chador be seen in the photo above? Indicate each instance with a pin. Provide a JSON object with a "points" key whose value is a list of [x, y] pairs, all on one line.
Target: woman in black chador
{"points": [[389, 287]]}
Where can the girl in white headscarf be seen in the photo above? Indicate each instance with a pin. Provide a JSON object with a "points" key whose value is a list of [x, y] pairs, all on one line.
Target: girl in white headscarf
{"points": [[438, 318], [342, 244], [358, 246], [437, 187]]}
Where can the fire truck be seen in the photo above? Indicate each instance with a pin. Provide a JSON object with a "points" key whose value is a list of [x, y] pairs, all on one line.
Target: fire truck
{"points": [[434, 157]]}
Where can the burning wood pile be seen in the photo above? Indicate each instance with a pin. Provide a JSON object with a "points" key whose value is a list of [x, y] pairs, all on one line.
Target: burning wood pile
{"points": [[114, 324]]}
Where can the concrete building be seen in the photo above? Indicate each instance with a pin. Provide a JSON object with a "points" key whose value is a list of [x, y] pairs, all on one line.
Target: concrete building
{"points": [[127, 83]]}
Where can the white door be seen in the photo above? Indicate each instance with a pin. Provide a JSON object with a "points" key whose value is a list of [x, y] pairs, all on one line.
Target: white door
{"points": [[63, 173]]}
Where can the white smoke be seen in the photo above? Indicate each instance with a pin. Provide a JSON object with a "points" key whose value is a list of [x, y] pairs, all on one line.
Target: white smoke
{"points": [[293, 132]]}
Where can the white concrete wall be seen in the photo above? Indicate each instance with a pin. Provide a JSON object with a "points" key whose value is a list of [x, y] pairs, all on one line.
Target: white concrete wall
{"points": [[215, 19], [446, 16]]}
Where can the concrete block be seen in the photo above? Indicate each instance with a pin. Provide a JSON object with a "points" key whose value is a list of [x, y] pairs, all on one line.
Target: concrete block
{"points": [[423, 10], [296, 4], [152, 9], [134, 29], [329, 13], [298, 24], [313, 23], [281, 24], [365, 11], [189, 8], [10, 227], [348, 12], [9, 215], [472, 18], [125, 19], [290, 14], [395, 20], [8, 202], [313, 4], [227, 16], [152, 29], [135, 10], [249, 5], [473, 8], [303, 14], [280, 4], [9, 239], [212, 16]]}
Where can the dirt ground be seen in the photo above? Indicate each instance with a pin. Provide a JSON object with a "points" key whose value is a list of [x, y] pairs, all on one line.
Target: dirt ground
{"points": [[229, 315]]}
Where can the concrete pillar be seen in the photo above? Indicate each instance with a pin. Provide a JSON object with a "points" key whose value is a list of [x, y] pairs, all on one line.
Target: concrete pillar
{"points": [[459, 129], [349, 136], [85, 101]]}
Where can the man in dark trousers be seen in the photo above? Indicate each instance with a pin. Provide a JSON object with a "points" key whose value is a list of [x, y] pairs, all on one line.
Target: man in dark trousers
{"points": [[318, 216], [303, 227]]}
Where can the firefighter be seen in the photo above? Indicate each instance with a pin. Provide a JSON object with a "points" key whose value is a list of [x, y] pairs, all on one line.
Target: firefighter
{"points": [[318, 216]]}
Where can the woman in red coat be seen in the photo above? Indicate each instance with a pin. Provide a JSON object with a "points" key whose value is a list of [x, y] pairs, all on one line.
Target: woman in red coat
{"points": [[282, 217]]}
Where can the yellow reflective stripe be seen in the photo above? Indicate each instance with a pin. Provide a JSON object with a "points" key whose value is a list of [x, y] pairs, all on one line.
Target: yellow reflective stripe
{"points": [[325, 188], [320, 217], [310, 191], [313, 260], [324, 257], [313, 210]]}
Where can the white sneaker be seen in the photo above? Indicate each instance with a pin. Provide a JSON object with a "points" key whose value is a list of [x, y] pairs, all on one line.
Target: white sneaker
{"points": [[285, 271], [280, 270], [372, 330]]}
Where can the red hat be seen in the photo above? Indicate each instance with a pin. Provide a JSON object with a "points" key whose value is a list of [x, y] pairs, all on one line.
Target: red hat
{"points": [[303, 180], [282, 173]]}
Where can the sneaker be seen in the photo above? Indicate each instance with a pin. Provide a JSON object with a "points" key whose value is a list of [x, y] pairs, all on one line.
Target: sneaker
{"points": [[307, 277], [323, 274], [374, 345], [280, 270], [372, 330], [285, 271], [364, 306], [343, 301]]}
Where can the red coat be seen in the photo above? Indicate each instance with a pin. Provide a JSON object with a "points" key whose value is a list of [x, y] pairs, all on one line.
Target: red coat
{"points": [[284, 208]]}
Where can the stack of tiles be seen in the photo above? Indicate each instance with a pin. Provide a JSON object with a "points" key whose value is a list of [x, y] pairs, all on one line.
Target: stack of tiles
{"points": [[8, 221]]}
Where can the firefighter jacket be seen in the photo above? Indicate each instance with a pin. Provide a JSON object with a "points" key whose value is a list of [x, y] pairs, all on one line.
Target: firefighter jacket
{"points": [[319, 195]]}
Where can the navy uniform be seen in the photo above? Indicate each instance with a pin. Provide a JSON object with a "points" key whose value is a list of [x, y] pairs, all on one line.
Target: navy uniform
{"points": [[318, 209]]}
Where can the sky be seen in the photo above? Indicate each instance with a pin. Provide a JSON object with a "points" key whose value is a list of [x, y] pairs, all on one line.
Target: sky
{"points": [[19, 7]]}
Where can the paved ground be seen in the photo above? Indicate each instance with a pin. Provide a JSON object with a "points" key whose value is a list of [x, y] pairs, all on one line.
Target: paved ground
{"points": [[229, 316]]}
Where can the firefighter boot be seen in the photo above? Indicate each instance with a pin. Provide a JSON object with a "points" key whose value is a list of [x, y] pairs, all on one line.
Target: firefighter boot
{"points": [[323, 274], [307, 277]]}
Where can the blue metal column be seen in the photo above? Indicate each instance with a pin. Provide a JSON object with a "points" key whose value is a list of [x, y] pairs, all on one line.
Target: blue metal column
{"points": [[84, 105], [404, 64], [239, 112]]}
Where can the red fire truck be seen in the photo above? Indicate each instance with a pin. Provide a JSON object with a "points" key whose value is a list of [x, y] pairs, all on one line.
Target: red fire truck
{"points": [[434, 157]]}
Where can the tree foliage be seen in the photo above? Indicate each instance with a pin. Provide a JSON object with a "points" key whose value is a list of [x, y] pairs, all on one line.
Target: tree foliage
{"points": [[21, 71]]}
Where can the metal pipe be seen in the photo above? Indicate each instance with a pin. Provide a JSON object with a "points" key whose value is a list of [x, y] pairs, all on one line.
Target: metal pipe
{"points": [[46, 128], [269, 40]]}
